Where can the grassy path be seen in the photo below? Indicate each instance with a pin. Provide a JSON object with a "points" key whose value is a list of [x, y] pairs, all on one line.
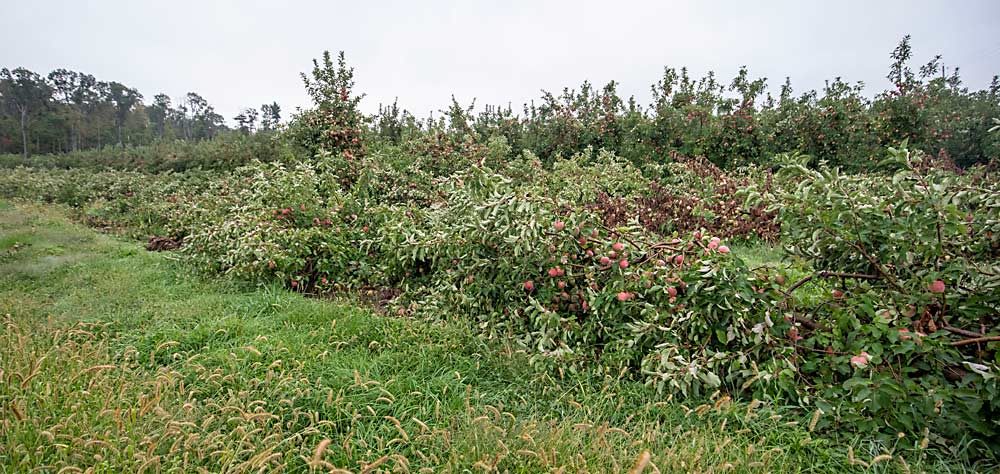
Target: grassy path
{"points": [[116, 359]]}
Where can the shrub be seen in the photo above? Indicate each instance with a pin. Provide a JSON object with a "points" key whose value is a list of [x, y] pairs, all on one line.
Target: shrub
{"points": [[270, 221], [907, 341]]}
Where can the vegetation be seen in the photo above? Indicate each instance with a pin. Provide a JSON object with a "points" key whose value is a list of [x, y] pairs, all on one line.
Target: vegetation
{"points": [[70, 111], [165, 371], [732, 124], [851, 287]]}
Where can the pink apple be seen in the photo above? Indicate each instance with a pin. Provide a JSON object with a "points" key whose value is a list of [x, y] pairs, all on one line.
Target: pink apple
{"points": [[861, 360]]}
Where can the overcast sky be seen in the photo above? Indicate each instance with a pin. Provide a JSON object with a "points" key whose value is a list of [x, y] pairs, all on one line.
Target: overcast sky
{"points": [[244, 53]]}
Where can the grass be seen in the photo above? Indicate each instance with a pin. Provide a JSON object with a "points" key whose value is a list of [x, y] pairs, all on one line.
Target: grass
{"points": [[113, 359], [761, 254]]}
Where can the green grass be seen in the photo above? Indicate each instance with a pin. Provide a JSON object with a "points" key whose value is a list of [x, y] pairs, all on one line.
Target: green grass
{"points": [[766, 255], [117, 359]]}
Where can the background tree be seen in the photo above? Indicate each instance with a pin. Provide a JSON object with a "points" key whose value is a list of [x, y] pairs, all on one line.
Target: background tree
{"points": [[160, 114], [122, 99], [270, 116], [200, 119], [247, 120], [26, 93], [74, 91]]}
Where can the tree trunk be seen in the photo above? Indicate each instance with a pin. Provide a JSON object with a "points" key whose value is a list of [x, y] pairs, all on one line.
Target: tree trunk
{"points": [[24, 132], [74, 136]]}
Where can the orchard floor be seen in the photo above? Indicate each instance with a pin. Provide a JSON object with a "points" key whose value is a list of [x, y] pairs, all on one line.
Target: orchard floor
{"points": [[114, 359]]}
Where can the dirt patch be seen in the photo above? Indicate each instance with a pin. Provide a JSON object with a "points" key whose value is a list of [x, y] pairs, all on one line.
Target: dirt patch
{"points": [[160, 244], [379, 298]]}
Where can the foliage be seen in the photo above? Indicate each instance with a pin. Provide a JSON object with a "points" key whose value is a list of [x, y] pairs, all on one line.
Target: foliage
{"points": [[215, 377], [278, 223], [580, 235], [225, 152], [331, 131], [915, 253], [68, 111]]}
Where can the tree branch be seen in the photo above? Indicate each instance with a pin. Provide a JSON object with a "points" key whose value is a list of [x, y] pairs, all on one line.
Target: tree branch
{"points": [[826, 274], [976, 340], [962, 332]]}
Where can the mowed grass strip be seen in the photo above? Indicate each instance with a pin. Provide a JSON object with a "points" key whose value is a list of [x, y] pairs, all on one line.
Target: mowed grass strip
{"points": [[113, 359]]}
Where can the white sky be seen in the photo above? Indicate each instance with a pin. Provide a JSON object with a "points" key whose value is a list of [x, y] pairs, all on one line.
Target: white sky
{"points": [[244, 53]]}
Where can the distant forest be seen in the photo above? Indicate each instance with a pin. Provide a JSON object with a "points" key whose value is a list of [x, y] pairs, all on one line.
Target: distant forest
{"points": [[68, 111]]}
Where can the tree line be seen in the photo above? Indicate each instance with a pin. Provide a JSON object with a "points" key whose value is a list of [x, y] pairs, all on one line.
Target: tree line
{"points": [[731, 123], [735, 122], [67, 111]]}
